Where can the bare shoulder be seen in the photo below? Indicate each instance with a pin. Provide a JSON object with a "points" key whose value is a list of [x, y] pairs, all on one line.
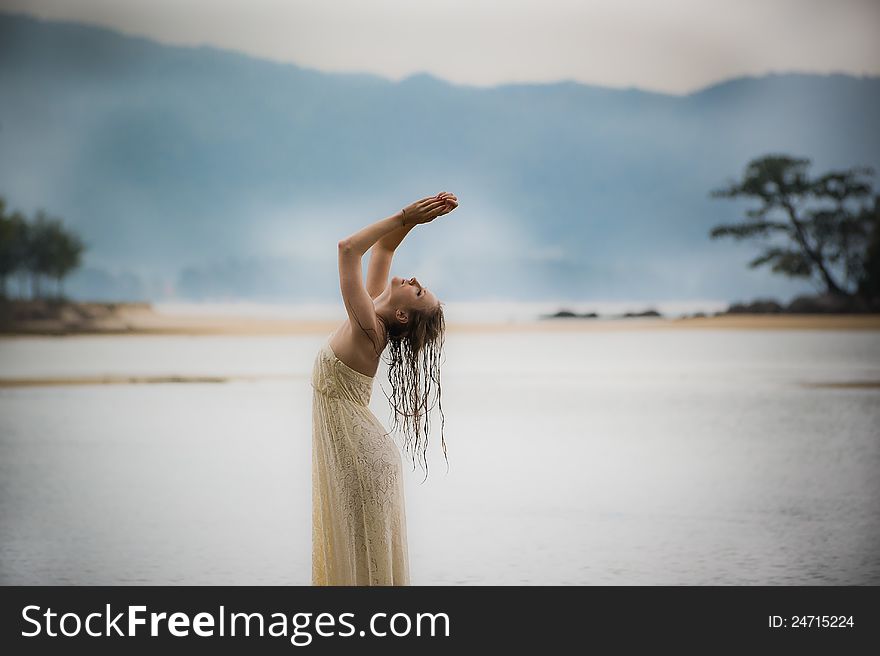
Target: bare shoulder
{"points": [[357, 349]]}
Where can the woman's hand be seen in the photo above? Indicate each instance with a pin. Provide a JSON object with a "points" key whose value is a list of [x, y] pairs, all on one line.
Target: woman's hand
{"points": [[428, 209]]}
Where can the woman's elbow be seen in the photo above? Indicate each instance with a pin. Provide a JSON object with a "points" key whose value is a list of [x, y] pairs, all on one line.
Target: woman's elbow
{"points": [[344, 244]]}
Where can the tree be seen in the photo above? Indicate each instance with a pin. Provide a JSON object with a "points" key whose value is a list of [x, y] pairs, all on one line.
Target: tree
{"points": [[65, 255], [869, 283], [13, 244], [6, 241], [41, 248], [828, 239]]}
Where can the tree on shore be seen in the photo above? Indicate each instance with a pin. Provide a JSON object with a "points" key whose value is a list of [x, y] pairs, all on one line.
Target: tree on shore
{"points": [[39, 248], [823, 230], [869, 283]]}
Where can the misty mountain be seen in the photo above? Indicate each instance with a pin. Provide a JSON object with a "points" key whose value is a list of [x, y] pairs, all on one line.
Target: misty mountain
{"points": [[205, 173]]}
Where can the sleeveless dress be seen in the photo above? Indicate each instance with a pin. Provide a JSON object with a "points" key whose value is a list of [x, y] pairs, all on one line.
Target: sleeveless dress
{"points": [[358, 513]]}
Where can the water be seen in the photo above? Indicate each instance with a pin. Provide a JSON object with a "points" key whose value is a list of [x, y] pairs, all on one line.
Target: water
{"points": [[624, 458]]}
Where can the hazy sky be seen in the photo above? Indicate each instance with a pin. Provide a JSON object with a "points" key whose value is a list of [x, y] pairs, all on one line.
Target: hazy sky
{"points": [[675, 46]]}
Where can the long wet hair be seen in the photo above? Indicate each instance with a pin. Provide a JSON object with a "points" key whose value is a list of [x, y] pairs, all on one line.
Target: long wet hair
{"points": [[414, 350]]}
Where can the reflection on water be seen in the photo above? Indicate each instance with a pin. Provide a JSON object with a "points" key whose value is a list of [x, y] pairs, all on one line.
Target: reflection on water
{"points": [[668, 457]]}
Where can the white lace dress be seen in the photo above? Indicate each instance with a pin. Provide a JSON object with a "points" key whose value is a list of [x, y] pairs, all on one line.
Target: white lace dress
{"points": [[358, 514]]}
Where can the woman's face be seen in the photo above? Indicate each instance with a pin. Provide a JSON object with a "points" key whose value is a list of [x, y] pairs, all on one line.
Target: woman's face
{"points": [[409, 293]]}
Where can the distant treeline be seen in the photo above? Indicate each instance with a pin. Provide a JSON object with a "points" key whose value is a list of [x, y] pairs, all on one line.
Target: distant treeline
{"points": [[34, 250]]}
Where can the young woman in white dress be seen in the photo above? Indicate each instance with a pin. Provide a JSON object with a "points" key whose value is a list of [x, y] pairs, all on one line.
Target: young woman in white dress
{"points": [[358, 510]]}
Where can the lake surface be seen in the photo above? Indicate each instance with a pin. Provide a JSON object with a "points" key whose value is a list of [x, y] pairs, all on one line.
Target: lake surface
{"points": [[623, 458]]}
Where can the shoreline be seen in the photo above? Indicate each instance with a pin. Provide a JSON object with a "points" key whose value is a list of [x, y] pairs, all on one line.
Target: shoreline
{"points": [[69, 319], [140, 320]]}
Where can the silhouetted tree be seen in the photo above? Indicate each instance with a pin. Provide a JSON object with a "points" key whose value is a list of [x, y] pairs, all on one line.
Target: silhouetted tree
{"points": [[869, 283], [41, 248], [13, 244], [829, 239], [6, 264]]}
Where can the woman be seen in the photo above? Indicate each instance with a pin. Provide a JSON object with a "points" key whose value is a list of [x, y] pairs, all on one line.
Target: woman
{"points": [[358, 514]]}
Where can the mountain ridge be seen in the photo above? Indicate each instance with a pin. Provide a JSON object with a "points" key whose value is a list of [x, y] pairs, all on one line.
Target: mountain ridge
{"points": [[212, 173]]}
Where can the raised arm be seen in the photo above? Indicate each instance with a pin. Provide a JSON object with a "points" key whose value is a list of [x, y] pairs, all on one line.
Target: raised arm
{"points": [[358, 303], [381, 255], [382, 252]]}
